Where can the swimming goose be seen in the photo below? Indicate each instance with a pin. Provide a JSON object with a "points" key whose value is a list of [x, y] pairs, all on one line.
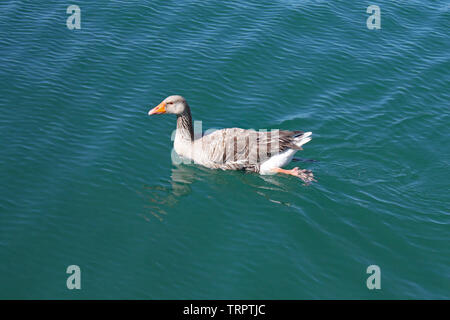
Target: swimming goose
{"points": [[264, 152]]}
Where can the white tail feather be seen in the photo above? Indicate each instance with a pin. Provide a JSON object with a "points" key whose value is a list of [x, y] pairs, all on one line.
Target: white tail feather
{"points": [[303, 139]]}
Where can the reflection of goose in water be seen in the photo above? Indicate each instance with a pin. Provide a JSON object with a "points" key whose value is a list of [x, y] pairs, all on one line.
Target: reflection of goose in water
{"points": [[159, 197], [162, 197]]}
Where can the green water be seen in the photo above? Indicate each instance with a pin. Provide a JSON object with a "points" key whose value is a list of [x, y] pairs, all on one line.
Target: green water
{"points": [[87, 179]]}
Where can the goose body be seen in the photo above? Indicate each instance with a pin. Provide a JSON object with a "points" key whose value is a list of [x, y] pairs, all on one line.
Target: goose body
{"points": [[263, 152]]}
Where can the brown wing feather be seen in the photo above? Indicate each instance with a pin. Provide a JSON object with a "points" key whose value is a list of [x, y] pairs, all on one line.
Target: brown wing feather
{"points": [[240, 149]]}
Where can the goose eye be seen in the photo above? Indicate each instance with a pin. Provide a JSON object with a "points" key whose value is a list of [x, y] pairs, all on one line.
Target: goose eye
{"points": [[169, 102]]}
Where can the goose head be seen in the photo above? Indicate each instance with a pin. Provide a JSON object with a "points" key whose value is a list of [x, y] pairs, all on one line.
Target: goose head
{"points": [[172, 104]]}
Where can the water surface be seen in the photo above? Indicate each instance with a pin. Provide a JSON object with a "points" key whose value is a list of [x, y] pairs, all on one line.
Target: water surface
{"points": [[87, 177]]}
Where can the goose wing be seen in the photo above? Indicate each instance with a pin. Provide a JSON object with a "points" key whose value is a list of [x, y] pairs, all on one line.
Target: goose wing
{"points": [[240, 149]]}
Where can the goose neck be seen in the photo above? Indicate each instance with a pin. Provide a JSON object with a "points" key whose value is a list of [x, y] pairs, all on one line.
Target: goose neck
{"points": [[185, 129]]}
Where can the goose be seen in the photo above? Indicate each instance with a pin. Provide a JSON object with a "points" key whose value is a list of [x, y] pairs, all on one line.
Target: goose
{"points": [[264, 152]]}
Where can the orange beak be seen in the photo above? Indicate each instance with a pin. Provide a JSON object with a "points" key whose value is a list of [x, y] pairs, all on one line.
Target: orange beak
{"points": [[159, 109]]}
